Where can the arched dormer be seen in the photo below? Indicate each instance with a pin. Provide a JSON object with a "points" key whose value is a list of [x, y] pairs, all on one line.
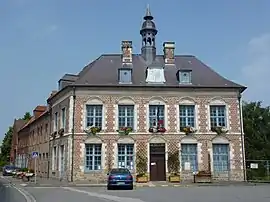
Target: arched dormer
{"points": [[126, 100], [189, 140], [126, 113], [220, 140], [93, 113], [218, 113]]}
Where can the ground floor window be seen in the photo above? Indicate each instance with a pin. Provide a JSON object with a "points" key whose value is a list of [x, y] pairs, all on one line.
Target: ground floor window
{"points": [[126, 156], [221, 157], [189, 160], [92, 157]]}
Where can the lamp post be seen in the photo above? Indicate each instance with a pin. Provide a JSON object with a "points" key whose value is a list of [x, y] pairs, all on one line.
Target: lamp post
{"points": [[242, 135]]}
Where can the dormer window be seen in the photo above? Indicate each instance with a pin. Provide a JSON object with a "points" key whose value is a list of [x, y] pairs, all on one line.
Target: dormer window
{"points": [[125, 76], [184, 77]]}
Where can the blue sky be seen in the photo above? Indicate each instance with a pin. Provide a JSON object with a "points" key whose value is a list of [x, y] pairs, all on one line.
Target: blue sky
{"points": [[42, 40]]}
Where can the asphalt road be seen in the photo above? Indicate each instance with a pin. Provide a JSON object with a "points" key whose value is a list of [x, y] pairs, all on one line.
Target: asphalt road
{"points": [[161, 194], [10, 194]]}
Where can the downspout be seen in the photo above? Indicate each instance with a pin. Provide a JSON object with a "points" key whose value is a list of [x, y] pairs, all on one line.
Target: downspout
{"points": [[242, 135], [72, 136], [49, 145]]}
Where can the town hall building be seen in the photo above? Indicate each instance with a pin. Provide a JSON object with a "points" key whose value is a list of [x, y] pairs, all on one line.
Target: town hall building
{"points": [[130, 110]]}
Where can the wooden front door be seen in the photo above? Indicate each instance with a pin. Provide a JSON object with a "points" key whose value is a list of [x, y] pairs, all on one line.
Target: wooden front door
{"points": [[157, 162]]}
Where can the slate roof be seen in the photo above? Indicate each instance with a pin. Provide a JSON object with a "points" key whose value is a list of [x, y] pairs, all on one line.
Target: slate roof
{"points": [[42, 109], [18, 124], [104, 72]]}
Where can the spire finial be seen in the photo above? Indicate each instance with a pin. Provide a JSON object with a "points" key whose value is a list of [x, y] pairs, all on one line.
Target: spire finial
{"points": [[148, 15]]}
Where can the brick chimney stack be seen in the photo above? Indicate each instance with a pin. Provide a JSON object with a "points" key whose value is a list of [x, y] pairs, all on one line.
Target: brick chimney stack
{"points": [[39, 110], [168, 50], [126, 52]]}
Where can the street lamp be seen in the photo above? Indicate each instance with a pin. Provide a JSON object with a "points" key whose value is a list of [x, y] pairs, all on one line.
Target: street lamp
{"points": [[242, 134]]}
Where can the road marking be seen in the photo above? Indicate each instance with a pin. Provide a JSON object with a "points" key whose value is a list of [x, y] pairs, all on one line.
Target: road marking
{"points": [[43, 187], [105, 196], [27, 195]]}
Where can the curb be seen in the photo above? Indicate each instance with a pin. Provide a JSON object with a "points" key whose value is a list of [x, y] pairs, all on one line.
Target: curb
{"points": [[142, 185]]}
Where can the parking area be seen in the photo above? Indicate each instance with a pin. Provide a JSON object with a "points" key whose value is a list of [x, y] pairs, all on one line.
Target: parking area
{"points": [[259, 193]]}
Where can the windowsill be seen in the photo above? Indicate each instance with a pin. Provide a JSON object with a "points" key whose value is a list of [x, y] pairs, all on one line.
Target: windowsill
{"points": [[185, 83], [93, 171]]}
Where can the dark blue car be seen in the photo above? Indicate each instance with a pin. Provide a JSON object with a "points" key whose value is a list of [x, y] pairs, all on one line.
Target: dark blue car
{"points": [[8, 170], [120, 178]]}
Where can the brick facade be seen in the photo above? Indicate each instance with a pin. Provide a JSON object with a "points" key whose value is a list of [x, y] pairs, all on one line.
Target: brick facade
{"points": [[141, 137], [34, 136]]}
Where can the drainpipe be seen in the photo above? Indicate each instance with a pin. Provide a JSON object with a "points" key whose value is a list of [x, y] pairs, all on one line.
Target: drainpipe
{"points": [[72, 136], [49, 145], [242, 135]]}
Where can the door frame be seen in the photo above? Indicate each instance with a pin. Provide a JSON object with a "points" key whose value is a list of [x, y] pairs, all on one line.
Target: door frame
{"points": [[161, 141]]}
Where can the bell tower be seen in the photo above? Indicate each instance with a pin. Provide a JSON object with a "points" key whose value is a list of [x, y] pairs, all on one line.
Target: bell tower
{"points": [[148, 33]]}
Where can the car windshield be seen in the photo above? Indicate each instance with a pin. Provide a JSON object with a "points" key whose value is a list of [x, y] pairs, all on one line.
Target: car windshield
{"points": [[120, 171], [9, 167]]}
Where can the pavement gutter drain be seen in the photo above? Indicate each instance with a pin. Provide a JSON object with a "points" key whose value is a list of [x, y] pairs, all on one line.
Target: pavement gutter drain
{"points": [[104, 196]]}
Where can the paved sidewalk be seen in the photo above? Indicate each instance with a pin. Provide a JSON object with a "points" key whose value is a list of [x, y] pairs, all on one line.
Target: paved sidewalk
{"points": [[45, 182]]}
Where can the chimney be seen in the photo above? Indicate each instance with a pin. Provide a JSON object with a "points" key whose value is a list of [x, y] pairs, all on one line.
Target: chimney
{"points": [[39, 110], [168, 50], [126, 51]]}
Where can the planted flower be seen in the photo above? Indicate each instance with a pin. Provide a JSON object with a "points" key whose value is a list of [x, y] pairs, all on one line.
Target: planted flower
{"points": [[219, 130], [124, 130], [61, 131], [92, 130], [188, 130], [158, 128]]}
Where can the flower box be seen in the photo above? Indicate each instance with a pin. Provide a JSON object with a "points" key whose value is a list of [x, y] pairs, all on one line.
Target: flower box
{"points": [[188, 130], [124, 130], [157, 130], [61, 131], [174, 178], [219, 130], [141, 179], [92, 130]]}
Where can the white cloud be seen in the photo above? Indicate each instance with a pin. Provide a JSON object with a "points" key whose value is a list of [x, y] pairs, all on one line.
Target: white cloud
{"points": [[257, 71]]}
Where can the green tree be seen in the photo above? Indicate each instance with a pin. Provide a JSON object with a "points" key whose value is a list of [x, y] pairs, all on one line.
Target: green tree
{"points": [[7, 141], [257, 130], [27, 116], [6, 146]]}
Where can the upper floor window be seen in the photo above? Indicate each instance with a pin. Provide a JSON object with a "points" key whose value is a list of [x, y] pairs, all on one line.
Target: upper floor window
{"points": [[156, 114], [126, 156], [93, 157], [184, 77], [55, 121], [218, 115], [125, 116], [94, 115], [125, 76], [187, 115], [63, 118]]}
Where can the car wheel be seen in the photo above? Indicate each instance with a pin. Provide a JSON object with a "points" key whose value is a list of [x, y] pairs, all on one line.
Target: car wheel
{"points": [[109, 187], [131, 187]]}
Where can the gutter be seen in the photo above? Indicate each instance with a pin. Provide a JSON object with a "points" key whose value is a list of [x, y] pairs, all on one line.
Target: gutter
{"points": [[49, 145], [72, 136], [242, 136]]}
